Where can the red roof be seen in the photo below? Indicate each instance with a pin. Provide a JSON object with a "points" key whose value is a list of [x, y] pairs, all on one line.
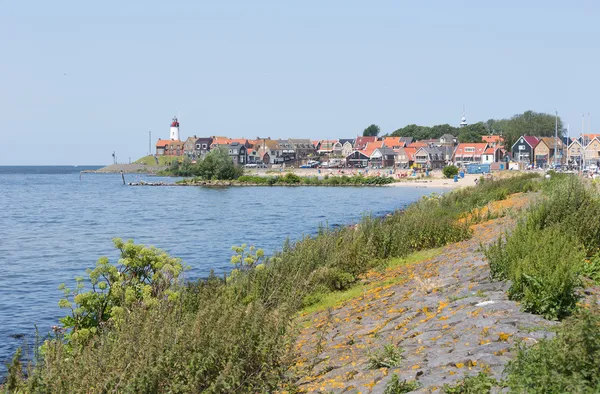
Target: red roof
{"points": [[417, 144], [370, 148], [492, 138], [361, 142], [242, 141], [393, 142], [410, 153], [489, 151], [531, 140], [162, 143], [470, 149], [221, 141]]}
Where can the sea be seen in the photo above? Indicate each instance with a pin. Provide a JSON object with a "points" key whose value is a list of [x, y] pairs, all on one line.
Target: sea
{"points": [[56, 221]]}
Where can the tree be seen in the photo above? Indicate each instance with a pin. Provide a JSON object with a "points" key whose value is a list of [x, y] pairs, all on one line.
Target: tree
{"points": [[215, 165], [450, 171], [412, 130], [143, 276], [371, 131], [472, 132], [528, 123]]}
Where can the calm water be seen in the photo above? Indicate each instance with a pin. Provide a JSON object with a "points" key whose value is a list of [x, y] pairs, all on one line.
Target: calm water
{"points": [[53, 226]]}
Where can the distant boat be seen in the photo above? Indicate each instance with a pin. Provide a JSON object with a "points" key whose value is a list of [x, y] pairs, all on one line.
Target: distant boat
{"points": [[75, 166]]}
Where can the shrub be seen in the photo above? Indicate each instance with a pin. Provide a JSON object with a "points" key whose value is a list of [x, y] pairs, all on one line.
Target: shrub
{"points": [[450, 171], [215, 165], [388, 357], [395, 386], [567, 363], [478, 384]]}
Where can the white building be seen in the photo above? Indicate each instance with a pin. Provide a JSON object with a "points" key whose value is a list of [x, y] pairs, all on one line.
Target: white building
{"points": [[174, 135]]}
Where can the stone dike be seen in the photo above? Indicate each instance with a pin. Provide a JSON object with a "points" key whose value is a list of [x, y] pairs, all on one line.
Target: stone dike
{"points": [[128, 169], [445, 314]]}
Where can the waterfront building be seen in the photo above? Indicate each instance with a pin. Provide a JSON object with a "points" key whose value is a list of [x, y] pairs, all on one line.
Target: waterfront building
{"points": [[469, 152], [523, 150]]}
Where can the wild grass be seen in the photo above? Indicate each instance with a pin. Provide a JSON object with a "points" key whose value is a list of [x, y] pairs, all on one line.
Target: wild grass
{"points": [[544, 257], [236, 335]]}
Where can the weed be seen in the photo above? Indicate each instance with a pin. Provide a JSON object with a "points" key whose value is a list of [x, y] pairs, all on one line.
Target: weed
{"points": [[396, 386], [478, 384], [388, 357]]}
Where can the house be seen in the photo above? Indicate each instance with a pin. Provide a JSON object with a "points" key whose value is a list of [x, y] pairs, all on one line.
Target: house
{"points": [[469, 152], [203, 145], [410, 157], [189, 147], [271, 148], [574, 153], [304, 150], [492, 154], [287, 151], [554, 144], [252, 156], [357, 159], [242, 141], [383, 157], [592, 153], [237, 152], [347, 146], [541, 154], [448, 139], [430, 157], [325, 147], [523, 149], [169, 148], [360, 143]]}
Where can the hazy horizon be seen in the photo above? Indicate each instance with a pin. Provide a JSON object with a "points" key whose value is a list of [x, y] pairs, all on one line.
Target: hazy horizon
{"points": [[83, 80]]}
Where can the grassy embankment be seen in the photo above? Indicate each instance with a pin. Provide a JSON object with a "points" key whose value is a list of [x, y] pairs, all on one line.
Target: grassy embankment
{"points": [[552, 255], [151, 160], [237, 335]]}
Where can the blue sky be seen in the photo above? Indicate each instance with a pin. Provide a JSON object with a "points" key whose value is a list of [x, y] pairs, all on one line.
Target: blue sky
{"points": [[317, 69]]}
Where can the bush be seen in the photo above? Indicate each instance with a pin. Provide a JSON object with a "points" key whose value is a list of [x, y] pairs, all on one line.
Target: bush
{"points": [[544, 256], [388, 357], [450, 171], [478, 384], [395, 386], [216, 165], [567, 363]]}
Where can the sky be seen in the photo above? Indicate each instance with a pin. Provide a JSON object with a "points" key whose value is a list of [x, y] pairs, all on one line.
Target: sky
{"points": [[79, 80]]}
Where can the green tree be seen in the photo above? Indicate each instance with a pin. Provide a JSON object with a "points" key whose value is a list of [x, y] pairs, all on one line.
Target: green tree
{"points": [[143, 276], [472, 132], [371, 131], [413, 130], [528, 123]]}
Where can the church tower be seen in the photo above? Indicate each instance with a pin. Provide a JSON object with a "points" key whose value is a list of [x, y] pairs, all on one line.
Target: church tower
{"points": [[174, 129], [463, 120]]}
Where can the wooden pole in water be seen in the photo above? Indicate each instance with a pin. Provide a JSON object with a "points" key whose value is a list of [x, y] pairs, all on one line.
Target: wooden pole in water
{"points": [[123, 176]]}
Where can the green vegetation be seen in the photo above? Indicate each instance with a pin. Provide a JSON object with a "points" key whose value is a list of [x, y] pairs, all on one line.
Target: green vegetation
{"points": [[292, 179], [568, 363], [235, 334], [396, 386], [371, 131], [388, 357], [216, 165], [478, 384], [549, 250], [527, 123], [450, 171], [162, 160]]}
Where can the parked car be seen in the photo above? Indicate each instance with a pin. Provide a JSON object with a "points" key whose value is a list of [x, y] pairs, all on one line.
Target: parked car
{"points": [[251, 165], [261, 165]]}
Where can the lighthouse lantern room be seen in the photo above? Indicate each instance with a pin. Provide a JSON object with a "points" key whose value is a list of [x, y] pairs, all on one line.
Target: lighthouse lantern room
{"points": [[174, 129]]}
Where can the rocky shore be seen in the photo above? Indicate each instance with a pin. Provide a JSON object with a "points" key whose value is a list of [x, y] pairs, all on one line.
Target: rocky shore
{"points": [[444, 313], [128, 169]]}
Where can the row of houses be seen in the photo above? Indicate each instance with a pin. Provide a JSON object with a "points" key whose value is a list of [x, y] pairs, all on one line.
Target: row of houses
{"points": [[543, 151], [398, 152]]}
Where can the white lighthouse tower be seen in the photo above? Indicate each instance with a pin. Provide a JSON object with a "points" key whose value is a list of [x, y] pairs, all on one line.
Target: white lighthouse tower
{"points": [[174, 129]]}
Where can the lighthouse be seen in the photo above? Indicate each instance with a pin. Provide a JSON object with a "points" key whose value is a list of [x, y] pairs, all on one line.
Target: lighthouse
{"points": [[174, 129]]}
